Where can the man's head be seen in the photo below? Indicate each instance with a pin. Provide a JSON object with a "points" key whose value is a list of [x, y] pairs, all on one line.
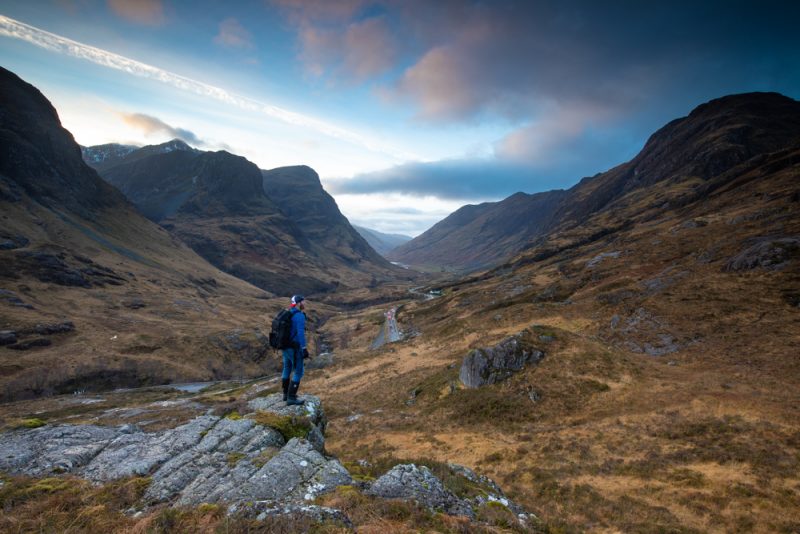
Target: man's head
{"points": [[299, 301]]}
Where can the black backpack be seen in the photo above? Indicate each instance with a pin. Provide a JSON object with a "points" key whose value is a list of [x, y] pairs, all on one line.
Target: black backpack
{"points": [[280, 337]]}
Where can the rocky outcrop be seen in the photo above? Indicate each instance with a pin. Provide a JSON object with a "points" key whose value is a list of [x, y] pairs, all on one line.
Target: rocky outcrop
{"points": [[7, 337], [11, 338], [644, 333], [490, 365], [251, 465], [209, 459], [418, 483], [263, 509], [308, 418], [408, 481], [766, 253]]}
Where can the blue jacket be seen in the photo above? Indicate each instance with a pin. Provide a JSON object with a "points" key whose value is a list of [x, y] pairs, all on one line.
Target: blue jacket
{"points": [[298, 328]]}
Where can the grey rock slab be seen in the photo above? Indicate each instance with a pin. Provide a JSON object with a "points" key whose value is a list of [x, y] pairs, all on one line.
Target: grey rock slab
{"points": [[139, 452], [490, 365], [209, 459], [214, 465], [644, 333], [52, 449], [409, 481], [767, 253], [493, 491], [594, 262], [298, 472], [264, 509]]}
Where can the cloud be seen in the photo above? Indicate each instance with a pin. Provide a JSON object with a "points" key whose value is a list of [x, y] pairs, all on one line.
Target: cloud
{"points": [[314, 11], [364, 49], [454, 180], [342, 38], [147, 12], [153, 125], [369, 49], [557, 129], [56, 43], [232, 34]]}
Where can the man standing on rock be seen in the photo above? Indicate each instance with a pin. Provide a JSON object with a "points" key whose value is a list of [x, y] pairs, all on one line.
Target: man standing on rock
{"points": [[294, 355]]}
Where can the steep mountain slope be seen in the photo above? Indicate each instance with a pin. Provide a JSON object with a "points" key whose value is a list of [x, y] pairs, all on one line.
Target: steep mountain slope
{"points": [[93, 294], [667, 393], [381, 242], [279, 229], [299, 193], [479, 236], [688, 158], [719, 146]]}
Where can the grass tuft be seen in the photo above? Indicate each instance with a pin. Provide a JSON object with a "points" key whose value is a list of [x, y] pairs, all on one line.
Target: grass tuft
{"points": [[289, 426]]}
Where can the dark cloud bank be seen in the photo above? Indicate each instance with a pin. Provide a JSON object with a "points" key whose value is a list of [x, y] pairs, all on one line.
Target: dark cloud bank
{"points": [[582, 84]]}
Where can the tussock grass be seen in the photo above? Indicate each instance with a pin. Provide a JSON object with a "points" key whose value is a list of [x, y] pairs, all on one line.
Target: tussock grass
{"points": [[67, 504], [369, 514], [289, 426], [33, 422]]}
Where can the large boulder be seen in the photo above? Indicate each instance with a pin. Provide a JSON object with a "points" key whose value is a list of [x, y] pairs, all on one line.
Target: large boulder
{"points": [[490, 365], [409, 481]]}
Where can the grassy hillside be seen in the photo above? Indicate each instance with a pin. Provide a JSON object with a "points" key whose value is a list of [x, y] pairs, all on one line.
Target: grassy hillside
{"points": [[667, 399]]}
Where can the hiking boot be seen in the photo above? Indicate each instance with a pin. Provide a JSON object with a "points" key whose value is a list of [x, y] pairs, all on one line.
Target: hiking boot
{"points": [[292, 399], [285, 384]]}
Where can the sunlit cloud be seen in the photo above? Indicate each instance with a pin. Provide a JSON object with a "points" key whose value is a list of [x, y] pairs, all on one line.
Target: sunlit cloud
{"points": [[148, 12], [152, 125], [56, 43]]}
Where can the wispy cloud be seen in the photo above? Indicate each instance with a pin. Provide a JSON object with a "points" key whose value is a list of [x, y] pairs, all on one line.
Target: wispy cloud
{"points": [[153, 125], [233, 35], [148, 12], [56, 43]]}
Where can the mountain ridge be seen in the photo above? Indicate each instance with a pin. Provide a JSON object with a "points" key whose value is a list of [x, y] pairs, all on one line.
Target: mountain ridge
{"points": [[382, 243], [92, 294], [713, 138], [278, 229]]}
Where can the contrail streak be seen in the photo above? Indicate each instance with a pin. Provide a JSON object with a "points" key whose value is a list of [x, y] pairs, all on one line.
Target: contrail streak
{"points": [[56, 43]]}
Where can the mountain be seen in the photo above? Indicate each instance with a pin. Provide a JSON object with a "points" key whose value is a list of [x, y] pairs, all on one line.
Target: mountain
{"points": [[478, 236], [100, 156], [277, 229], [685, 159], [382, 243], [94, 295], [640, 355]]}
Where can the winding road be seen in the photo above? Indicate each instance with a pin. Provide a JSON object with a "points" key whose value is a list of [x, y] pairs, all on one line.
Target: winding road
{"points": [[389, 332]]}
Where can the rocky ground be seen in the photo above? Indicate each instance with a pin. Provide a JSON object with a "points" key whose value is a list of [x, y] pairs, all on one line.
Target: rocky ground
{"points": [[232, 447]]}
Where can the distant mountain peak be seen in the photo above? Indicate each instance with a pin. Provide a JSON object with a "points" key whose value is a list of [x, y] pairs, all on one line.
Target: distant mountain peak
{"points": [[99, 153], [174, 144]]}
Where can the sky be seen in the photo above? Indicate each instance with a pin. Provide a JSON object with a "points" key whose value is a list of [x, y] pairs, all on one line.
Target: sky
{"points": [[407, 109]]}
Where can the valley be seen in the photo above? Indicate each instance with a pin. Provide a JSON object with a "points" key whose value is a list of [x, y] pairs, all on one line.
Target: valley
{"points": [[631, 344]]}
